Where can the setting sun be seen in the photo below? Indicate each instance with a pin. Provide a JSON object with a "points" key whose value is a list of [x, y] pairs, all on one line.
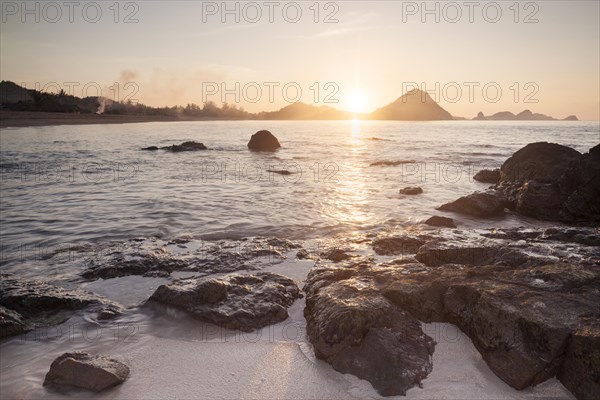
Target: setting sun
{"points": [[356, 101]]}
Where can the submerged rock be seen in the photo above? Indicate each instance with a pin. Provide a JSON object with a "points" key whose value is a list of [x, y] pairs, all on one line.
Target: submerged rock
{"points": [[411, 190], [387, 163], [263, 141], [42, 304], [244, 302], [335, 255], [478, 204], [440, 221], [185, 146], [488, 176], [11, 323], [358, 331], [82, 370]]}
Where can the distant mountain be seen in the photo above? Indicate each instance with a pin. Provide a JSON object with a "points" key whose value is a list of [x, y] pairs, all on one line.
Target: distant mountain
{"points": [[298, 111], [414, 105], [526, 115]]}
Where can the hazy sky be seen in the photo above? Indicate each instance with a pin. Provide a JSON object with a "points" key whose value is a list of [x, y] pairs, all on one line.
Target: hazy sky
{"points": [[181, 52]]}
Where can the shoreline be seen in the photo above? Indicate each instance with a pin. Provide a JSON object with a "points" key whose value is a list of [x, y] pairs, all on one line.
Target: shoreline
{"points": [[24, 119]]}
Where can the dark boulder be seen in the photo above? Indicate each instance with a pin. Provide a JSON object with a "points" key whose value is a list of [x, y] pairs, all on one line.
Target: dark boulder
{"points": [[479, 204], [411, 190], [439, 253], [488, 176], [186, 146], [244, 302], [263, 141], [355, 329], [552, 182], [440, 221], [151, 148], [82, 370]]}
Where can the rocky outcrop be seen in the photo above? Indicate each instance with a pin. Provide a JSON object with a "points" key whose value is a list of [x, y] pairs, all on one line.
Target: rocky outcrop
{"points": [[435, 254], [488, 176], [358, 331], [82, 370], [176, 148], [244, 302], [479, 204], [263, 141], [525, 317], [542, 180], [411, 190], [440, 221], [529, 323], [42, 304]]}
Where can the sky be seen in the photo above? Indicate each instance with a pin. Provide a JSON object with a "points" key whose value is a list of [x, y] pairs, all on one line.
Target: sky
{"points": [[352, 55]]}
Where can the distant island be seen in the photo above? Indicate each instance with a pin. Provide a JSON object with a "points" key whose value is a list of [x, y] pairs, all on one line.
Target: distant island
{"points": [[526, 115], [24, 107]]}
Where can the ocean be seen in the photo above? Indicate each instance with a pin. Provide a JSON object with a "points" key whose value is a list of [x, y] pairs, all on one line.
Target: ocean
{"points": [[92, 187]]}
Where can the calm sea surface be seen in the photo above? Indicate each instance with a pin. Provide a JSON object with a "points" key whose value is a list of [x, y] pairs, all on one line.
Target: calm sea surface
{"points": [[88, 184]]}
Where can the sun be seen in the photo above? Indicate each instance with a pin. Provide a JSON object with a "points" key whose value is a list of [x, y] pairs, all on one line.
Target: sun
{"points": [[356, 101]]}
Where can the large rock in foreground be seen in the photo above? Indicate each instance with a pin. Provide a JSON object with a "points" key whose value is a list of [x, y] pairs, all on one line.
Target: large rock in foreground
{"points": [[244, 302], [85, 371], [263, 141], [358, 331], [529, 324]]}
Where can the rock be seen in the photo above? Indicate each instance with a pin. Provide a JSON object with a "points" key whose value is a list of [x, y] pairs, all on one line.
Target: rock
{"points": [[488, 176], [42, 304], [355, 329], [478, 204], [411, 190], [541, 161], [387, 163], [244, 302], [186, 146], [441, 221], [110, 312], [396, 245], [82, 370], [11, 323], [552, 182], [542, 180], [336, 255], [436, 254], [580, 370], [263, 141], [136, 264], [525, 317]]}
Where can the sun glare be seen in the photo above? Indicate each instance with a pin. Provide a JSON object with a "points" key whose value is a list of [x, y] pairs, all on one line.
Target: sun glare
{"points": [[356, 101]]}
